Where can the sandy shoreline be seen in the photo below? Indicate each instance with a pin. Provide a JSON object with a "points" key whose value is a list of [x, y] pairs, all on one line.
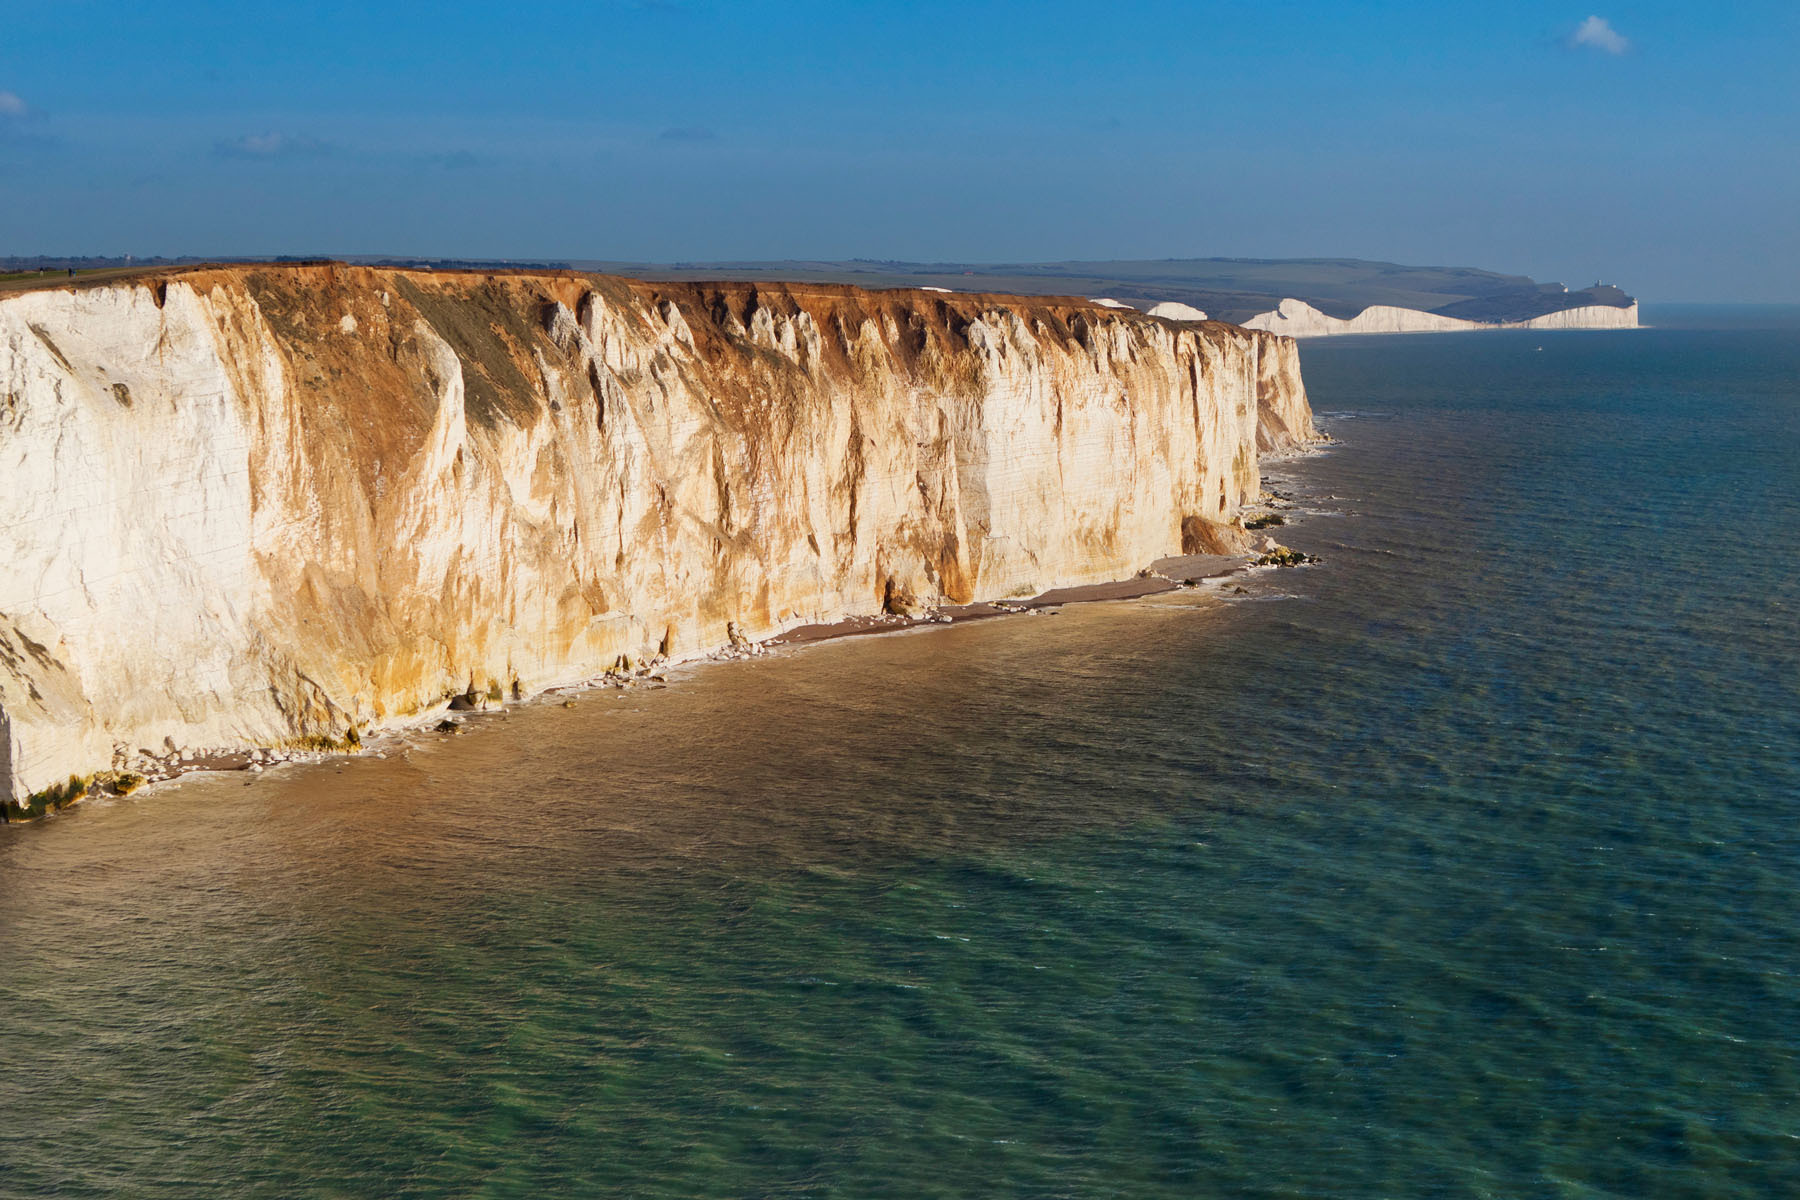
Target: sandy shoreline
{"points": [[1163, 575]]}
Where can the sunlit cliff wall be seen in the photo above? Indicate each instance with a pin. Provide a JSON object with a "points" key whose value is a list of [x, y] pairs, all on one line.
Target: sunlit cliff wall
{"points": [[248, 505]]}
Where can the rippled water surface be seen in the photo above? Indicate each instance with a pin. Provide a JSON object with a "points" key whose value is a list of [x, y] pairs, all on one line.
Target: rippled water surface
{"points": [[1463, 864]]}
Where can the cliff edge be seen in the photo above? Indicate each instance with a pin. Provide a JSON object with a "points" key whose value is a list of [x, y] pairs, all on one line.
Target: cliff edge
{"points": [[261, 506]]}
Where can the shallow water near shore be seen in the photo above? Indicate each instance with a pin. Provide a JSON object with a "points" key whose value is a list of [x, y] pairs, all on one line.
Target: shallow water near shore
{"points": [[1466, 863]]}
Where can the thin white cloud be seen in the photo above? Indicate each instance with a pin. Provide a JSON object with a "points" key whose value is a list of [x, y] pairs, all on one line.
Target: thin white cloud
{"points": [[453, 160], [1598, 33], [11, 105], [268, 145]]}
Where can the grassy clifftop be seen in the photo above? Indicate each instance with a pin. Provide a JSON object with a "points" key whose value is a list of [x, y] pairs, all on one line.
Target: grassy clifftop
{"points": [[1229, 289]]}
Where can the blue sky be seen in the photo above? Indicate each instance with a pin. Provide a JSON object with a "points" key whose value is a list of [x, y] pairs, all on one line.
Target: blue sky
{"points": [[1653, 145]]}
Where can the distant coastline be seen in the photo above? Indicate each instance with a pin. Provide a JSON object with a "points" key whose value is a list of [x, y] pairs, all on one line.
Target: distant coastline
{"points": [[1297, 318]]}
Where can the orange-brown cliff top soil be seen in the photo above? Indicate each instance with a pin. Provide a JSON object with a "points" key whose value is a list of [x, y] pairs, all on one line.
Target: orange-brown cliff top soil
{"points": [[568, 286]]}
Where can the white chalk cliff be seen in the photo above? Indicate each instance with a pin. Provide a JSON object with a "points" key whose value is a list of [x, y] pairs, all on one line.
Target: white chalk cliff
{"points": [[253, 505], [1297, 318]]}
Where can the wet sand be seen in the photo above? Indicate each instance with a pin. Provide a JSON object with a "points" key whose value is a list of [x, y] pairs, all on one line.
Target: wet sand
{"points": [[1163, 575]]}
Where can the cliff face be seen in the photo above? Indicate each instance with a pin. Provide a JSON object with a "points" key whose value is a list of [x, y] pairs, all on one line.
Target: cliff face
{"points": [[1296, 318], [247, 505]]}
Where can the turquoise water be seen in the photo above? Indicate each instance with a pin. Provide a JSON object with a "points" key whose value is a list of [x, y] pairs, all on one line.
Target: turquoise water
{"points": [[1465, 864]]}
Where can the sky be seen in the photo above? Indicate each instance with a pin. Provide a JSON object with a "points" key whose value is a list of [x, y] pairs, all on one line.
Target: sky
{"points": [[1652, 145]]}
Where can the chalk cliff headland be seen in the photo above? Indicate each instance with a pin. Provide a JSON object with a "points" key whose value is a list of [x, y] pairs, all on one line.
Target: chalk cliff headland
{"points": [[282, 505]]}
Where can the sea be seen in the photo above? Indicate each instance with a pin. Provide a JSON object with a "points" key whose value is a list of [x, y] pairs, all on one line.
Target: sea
{"points": [[1462, 863]]}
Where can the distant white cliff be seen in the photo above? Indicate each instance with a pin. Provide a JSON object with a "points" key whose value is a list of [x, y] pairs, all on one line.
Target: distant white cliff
{"points": [[1297, 318]]}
